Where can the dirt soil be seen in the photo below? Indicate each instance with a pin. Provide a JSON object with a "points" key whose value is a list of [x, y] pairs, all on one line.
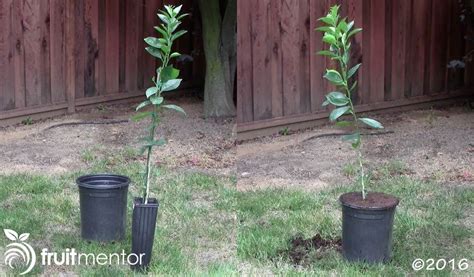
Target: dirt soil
{"points": [[193, 143], [430, 144], [304, 251]]}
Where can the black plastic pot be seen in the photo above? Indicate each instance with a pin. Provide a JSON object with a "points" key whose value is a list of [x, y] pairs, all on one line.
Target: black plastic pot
{"points": [[103, 202], [367, 226], [143, 231]]}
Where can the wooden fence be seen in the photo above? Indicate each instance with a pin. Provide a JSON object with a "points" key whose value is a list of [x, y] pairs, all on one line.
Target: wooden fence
{"points": [[59, 54], [404, 48]]}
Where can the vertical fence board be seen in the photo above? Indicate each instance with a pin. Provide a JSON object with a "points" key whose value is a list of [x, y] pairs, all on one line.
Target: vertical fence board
{"points": [[261, 62], [364, 89], [7, 91], [456, 48], [102, 56], [70, 45], [355, 12], [45, 67], [291, 63], [91, 34], [244, 66], [377, 51], [438, 46], [112, 46], [304, 82], [58, 51], [80, 51], [32, 43], [419, 44], [131, 45], [274, 44], [151, 20], [18, 54], [317, 83], [140, 44], [400, 23]]}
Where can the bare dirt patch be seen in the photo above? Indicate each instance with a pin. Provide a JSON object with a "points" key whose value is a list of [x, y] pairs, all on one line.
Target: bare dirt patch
{"points": [[304, 251], [432, 144], [193, 142]]}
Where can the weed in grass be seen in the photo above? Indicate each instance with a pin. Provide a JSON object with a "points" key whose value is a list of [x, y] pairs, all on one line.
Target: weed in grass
{"points": [[285, 131], [27, 121]]}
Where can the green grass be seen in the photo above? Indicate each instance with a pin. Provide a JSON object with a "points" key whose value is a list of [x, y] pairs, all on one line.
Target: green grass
{"points": [[207, 228], [428, 224], [193, 234]]}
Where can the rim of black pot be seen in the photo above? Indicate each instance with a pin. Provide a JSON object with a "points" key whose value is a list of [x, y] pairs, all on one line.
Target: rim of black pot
{"points": [[103, 181], [395, 203]]}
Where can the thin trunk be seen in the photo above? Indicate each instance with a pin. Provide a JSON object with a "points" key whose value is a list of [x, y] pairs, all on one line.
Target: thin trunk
{"points": [[218, 94]]}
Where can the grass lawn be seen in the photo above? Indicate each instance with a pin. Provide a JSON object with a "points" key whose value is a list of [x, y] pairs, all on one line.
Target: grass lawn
{"points": [[206, 227]]}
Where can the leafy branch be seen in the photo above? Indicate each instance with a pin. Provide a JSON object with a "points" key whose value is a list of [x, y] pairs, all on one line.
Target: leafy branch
{"points": [[166, 79], [337, 34]]}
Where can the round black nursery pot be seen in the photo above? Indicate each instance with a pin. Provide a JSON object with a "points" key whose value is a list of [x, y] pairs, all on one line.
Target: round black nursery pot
{"points": [[143, 231], [367, 226], [103, 202]]}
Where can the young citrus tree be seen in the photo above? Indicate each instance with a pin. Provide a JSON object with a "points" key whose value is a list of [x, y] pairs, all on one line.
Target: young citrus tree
{"points": [[166, 79], [337, 34]]}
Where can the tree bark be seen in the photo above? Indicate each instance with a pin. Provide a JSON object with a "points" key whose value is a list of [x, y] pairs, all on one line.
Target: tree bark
{"points": [[218, 90]]}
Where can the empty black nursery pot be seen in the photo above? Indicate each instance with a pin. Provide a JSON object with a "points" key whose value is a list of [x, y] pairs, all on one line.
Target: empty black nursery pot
{"points": [[367, 226], [103, 202], [143, 230]]}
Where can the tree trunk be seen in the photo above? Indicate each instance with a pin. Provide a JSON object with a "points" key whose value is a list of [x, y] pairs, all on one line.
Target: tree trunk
{"points": [[217, 91]]}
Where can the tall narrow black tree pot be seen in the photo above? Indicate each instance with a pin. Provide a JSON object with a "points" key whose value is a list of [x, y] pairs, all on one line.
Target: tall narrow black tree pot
{"points": [[143, 231], [367, 226], [103, 204]]}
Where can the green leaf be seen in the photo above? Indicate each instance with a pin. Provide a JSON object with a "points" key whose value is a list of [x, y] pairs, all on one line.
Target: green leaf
{"points": [[169, 73], [353, 138], [159, 142], [141, 116], [328, 20], [337, 98], [353, 32], [178, 34], [326, 103], [156, 100], [327, 53], [326, 29], [155, 52], [350, 25], [175, 108], [336, 113], [151, 91], [154, 42], [354, 85], [162, 31], [329, 39], [175, 55], [182, 16], [177, 9], [334, 11], [334, 77], [171, 85], [344, 123], [170, 10], [372, 123], [353, 71], [342, 26], [163, 17], [143, 105]]}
